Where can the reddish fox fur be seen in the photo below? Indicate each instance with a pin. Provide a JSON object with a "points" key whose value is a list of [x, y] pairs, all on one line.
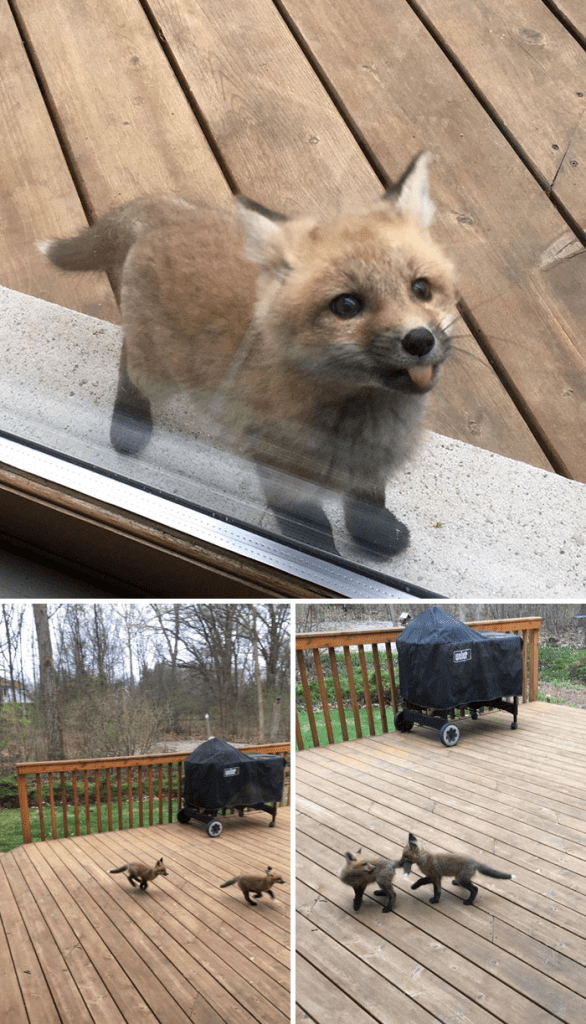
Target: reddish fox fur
{"points": [[141, 872], [256, 884]]}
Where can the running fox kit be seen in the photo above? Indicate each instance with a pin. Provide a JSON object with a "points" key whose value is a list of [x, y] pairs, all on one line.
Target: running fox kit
{"points": [[315, 342], [360, 872], [141, 873], [436, 865], [256, 884]]}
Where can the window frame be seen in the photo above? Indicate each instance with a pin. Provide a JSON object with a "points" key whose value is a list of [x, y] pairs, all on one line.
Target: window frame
{"points": [[146, 544]]}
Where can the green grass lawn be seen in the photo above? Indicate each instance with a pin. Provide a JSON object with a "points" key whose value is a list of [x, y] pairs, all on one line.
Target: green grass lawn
{"points": [[356, 671], [11, 827], [561, 665], [337, 728]]}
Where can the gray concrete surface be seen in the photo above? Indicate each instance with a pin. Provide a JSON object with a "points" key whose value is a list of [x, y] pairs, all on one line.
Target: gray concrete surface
{"points": [[482, 526]]}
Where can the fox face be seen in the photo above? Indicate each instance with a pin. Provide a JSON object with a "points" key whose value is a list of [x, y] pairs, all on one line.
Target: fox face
{"points": [[365, 299], [410, 855]]}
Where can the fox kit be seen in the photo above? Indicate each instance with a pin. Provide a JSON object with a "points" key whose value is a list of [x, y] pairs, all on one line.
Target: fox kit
{"points": [[315, 342], [256, 884], [359, 872], [436, 865], [140, 872]]}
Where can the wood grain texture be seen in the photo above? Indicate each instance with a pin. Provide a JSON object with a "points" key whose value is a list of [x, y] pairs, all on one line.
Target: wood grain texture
{"points": [[574, 11], [38, 198], [520, 956], [94, 949], [532, 73], [125, 120]]}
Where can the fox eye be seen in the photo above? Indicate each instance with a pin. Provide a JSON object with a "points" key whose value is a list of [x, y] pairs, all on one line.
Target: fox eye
{"points": [[346, 306], [421, 289]]}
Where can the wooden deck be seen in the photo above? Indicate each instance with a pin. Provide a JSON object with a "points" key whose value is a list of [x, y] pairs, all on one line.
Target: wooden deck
{"points": [[318, 103], [515, 800], [80, 946]]}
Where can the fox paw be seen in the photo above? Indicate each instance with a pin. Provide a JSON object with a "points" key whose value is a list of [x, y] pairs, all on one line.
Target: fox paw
{"points": [[129, 433], [375, 529]]}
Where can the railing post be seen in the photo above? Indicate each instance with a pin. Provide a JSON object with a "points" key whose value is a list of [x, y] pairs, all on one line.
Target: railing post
{"points": [[534, 665], [23, 802]]}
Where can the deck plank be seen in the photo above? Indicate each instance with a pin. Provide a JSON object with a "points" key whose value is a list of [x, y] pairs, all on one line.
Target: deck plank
{"points": [[532, 72], [574, 11], [123, 118], [38, 198], [496, 223], [126, 122], [185, 950], [519, 954]]}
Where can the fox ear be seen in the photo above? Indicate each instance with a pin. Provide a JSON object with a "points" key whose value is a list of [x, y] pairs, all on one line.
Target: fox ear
{"points": [[159, 861], [262, 235], [411, 193], [412, 840], [350, 857]]}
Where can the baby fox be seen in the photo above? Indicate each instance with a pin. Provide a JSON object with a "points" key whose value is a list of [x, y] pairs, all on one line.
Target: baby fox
{"points": [[436, 865], [358, 872], [313, 341], [256, 884], [140, 872]]}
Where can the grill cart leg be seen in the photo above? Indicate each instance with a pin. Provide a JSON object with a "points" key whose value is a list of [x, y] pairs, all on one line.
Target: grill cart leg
{"points": [[208, 818], [270, 809], [449, 732], [515, 709], [512, 706]]}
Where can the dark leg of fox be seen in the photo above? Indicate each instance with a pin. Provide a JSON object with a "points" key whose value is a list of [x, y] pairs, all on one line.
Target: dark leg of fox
{"points": [[358, 894], [391, 896], [298, 519], [467, 884], [132, 423], [429, 881], [372, 526], [248, 899]]}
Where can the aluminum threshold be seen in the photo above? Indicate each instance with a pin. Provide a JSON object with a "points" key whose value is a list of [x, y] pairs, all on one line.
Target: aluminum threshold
{"points": [[341, 578]]}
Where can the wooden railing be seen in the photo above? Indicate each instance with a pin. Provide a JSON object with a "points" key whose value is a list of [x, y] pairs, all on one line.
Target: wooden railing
{"points": [[380, 641], [152, 780]]}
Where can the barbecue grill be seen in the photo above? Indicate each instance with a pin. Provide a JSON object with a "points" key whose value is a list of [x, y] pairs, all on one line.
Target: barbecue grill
{"points": [[445, 665], [219, 776]]}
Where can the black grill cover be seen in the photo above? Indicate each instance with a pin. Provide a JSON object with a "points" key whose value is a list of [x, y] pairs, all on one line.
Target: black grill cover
{"points": [[444, 664], [219, 775]]}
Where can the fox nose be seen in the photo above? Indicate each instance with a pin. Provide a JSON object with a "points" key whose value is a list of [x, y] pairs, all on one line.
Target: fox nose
{"points": [[418, 342]]}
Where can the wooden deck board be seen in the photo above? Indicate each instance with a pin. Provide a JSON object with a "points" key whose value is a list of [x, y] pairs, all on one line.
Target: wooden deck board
{"points": [[519, 954], [301, 105], [80, 945]]}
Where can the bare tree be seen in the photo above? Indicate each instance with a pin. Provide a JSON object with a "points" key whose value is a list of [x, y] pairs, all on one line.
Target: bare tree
{"points": [[50, 703], [11, 626]]}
